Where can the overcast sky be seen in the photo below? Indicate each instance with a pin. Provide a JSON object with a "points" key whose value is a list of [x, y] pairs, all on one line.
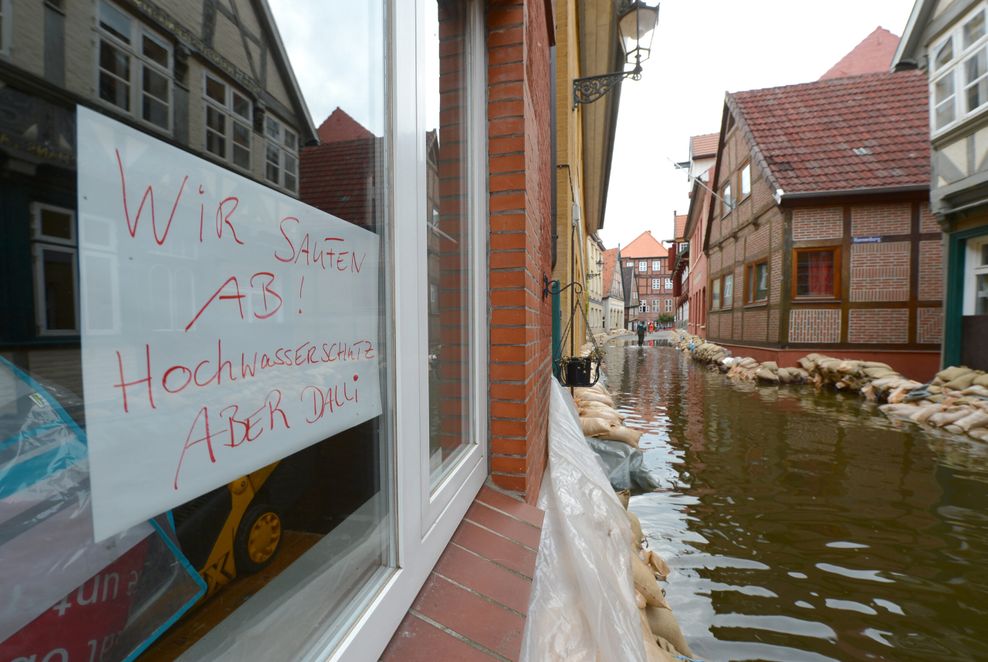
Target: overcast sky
{"points": [[702, 49]]}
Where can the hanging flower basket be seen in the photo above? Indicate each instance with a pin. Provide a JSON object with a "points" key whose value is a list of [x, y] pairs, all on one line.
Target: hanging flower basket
{"points": [[580, 370]]}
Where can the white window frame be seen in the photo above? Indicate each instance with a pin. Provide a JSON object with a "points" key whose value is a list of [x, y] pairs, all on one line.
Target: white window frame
{"points": [[744, 181], [668, 283], [953, 70], [135, 72], [642, 266], [283, 150], [656, 265], [668, 305], [972, 269], [656, 284], [232, 118], [41, 242], [6, 14]]}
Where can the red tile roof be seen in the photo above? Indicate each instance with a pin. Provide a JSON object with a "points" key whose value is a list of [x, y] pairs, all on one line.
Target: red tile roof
{"points": [[610, 259], [680, 227], [644, 246], [340, 126], [873, 55], [841, 134], [704, 147]]}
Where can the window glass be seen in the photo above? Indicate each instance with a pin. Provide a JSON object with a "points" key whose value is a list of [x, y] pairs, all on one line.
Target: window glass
{"points": [[943, 98], [975, 81], [98, 274], [944, 54], [760, 281], [728, 290], [715, 294], [981, 296], [668, 283], [656, 265], [745, 181], [447, 140], [655, 284], [974, 29], [815, 275], [643, 265], [727, 199]]}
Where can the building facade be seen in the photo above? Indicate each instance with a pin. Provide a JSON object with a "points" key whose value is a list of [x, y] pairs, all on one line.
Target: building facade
{"points": [[595, 284], [651, 280], [613, 301], [946, 40], [808, 257], [691, 264]]}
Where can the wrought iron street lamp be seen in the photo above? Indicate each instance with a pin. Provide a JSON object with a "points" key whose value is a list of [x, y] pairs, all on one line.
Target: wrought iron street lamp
{"points": [[636, 24]]}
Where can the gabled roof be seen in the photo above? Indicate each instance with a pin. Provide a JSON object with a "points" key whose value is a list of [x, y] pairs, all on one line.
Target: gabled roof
{"points": [[873, 55], [340, 126], [839, 136], [644, 246], [703, 147], [679, 227], [610, 259], [910, 51]]}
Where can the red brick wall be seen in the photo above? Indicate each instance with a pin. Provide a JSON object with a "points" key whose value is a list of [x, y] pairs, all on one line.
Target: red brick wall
{"points": [[817, 223], [878, 326], [927, 219], [931, 270], [808, 325], [929, 325], [880, 272], [519, 125], [881, 220]]}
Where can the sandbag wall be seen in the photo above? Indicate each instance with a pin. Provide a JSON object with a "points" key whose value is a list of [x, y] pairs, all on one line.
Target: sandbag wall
{"points": [[956, 400]]}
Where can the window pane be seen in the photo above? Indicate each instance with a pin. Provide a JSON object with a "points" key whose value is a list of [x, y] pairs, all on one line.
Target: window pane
{"points": [[59, 291], [272, 129], [975, 83], [154, 111], [761, 281], [155, 84], [114, 21], [715, 291], [984, 254], [448, 254], [114, 90], [974, 29], [114, 60], [728, 290], [746, 181], [216, 120], [241, 156], [241, 105], [943, 95], [55, 224], [291, 140], [154, 51], [981, 295], [215, 90], [944, 55], [215, 143], [815, 274]]}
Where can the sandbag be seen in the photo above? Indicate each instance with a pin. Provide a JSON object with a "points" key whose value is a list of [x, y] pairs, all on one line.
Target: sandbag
{"points": [[623, 434], [948, 416], [636, 530], [653, 652], [646, 584], [952, 373], [962, 381], [593, 427], [923, 412], [981, 380], [589, 395], [609, 415], [658, 565], [976, 419], [663, 624]]}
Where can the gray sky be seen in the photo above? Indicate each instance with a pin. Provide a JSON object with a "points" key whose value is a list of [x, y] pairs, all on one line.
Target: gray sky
{"points": [[703, 49]]}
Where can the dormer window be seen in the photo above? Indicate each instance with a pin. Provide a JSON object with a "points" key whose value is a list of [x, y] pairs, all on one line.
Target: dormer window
{"points": [[228, 122], [959, 72]]}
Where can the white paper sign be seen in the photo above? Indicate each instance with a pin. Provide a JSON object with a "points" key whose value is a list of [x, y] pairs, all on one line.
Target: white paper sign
{"points": [[224, 325]]}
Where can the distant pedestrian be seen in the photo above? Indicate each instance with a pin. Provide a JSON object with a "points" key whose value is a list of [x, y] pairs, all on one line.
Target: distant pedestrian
{"points": [[641, 332]]}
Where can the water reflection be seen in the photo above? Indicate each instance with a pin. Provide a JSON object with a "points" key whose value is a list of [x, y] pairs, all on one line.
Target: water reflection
{"points": [[801, 525]]}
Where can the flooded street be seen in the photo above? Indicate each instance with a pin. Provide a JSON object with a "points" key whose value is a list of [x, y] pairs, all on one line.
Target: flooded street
{"points": [[801, 526]]}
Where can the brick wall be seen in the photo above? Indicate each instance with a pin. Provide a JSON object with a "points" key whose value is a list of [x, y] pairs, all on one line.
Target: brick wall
{"points": [[880, 272], [929, 325], [931, 270], [881, 220], [814, 326], [756, 243], [927, 219], [756, 325], [822, 223], [519, 85], [878, 326]]}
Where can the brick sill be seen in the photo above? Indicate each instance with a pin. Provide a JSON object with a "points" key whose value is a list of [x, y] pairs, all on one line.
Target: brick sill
{"points": [[756, 305], [816, 301]]}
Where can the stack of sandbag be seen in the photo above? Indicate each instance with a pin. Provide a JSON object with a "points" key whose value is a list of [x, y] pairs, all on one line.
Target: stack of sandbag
{"points": [[599, 418], [956, 400], [664, 639]]}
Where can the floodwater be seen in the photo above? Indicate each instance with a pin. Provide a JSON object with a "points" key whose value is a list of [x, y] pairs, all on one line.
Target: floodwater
{"points": [[803, 525]]}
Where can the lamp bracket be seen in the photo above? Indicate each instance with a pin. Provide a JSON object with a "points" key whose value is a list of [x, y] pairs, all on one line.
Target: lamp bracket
{"points": [[591, 88]]}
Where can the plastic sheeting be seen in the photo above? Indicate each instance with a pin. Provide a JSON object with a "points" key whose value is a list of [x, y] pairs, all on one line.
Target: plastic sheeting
{"points": [[65, 596], [623, 465], [582, 605]]}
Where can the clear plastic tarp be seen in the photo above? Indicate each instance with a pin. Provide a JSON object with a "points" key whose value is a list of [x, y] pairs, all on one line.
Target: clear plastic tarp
{"points": [[66, 596], [583, 605]]}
